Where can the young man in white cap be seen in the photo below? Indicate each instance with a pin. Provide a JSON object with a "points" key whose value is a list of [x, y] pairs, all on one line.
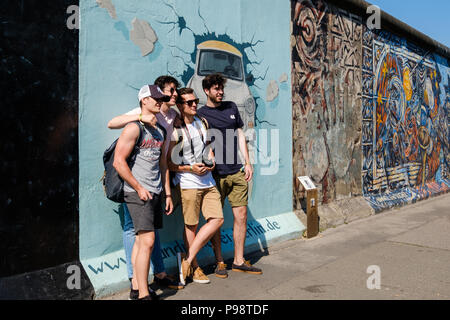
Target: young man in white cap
{"points": [[145, 181]]}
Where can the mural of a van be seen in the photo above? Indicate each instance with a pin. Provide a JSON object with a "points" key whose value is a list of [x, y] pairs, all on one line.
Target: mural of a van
{"points": [[220, 57]]}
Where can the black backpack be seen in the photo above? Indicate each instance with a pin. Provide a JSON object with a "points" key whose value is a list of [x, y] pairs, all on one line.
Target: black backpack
{"points": [[112, 182]]}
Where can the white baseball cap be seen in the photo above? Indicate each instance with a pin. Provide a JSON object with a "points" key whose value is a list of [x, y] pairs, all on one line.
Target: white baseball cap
{"points": [[151, 90]]}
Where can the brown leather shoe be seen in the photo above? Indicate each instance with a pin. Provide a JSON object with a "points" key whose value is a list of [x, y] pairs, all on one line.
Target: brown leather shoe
{"points": [[246, 267], [221, 270]]}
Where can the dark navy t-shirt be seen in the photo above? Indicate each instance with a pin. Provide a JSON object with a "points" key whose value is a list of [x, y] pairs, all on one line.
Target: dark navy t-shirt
{"points": [[226, 119]]}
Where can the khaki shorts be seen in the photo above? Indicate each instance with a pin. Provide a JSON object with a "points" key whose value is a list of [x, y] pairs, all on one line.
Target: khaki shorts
{"points": [[235, 187], [207, 200]]}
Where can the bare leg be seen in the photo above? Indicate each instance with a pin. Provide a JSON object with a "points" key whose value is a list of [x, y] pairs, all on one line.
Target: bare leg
{"points": [[239, 233], [204, 234], [189, 237], [146, 242], [134, 283], [217, 246]]}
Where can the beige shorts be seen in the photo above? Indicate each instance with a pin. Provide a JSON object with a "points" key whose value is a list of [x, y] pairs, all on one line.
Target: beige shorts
{"points": [[207, 200]]}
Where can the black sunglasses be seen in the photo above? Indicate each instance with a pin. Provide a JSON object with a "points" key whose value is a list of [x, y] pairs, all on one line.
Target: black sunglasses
{"points": [[190, 102], [162, 100]]}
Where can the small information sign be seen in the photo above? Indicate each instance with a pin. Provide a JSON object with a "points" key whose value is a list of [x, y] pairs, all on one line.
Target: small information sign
{"points": [[311, 207], [307, 183]]}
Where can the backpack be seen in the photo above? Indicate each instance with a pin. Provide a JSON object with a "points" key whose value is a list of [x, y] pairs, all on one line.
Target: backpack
{"points": [[111, 180]]}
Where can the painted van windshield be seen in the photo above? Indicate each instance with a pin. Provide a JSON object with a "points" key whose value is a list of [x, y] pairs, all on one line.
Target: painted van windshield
{"points": [[227, 64]]}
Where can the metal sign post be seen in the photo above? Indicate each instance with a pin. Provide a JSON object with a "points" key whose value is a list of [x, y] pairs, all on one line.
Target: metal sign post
{"points": [[312, 222]]}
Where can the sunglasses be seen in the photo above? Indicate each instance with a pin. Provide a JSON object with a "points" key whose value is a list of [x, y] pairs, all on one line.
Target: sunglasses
{"points": [[160, 101], [191, 102]]}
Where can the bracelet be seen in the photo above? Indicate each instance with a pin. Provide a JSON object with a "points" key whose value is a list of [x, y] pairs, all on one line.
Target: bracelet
{"points": [[168, 196], [190, 167]]}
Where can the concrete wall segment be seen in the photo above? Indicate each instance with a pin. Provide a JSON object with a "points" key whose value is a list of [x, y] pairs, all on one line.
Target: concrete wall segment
{"points": [[112, 69], [396, 26], [341, 126], [326, 68]]}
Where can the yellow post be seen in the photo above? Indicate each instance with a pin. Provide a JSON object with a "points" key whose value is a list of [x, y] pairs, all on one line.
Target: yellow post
{"points": [[312, 214]]}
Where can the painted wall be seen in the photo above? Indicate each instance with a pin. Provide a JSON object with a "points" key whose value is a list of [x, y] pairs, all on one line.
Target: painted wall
{"points": [[370, 110], [116, 60], [326, 95], [370, 116], [405, 121]]}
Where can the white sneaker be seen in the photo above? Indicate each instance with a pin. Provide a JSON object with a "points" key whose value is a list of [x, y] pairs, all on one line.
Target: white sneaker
{"points": [[199, 276], [184, 268]]}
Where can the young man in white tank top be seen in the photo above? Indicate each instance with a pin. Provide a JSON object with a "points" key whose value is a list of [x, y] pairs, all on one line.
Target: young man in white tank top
{"points": [[166, 118], [144, 182]]}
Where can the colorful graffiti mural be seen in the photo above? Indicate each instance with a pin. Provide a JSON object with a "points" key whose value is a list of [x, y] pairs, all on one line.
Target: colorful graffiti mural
{"points": [[370, 110], [326, 91], [405, 121]]}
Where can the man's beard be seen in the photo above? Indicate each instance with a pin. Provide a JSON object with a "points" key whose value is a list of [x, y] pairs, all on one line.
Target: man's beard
{"points": [[214, 99]]}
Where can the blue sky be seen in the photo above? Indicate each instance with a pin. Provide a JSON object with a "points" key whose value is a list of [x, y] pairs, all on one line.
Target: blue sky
{"points": [[431, 17]]}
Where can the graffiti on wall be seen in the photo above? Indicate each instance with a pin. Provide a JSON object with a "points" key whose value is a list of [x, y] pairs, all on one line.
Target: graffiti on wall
{"points": [[197, 51], [218, 52], [326, 92], [405, 122], [144, 40]]}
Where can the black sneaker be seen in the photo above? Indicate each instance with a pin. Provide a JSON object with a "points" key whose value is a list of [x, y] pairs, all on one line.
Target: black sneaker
{"points": [[134, 295], [168, 282], [246, 267]]}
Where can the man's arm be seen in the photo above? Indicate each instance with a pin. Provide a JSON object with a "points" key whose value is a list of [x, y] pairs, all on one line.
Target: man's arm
{"points": [[121, 121], [244, 150], [212, 158], [165, 178], [197, 168], [124, 147]]}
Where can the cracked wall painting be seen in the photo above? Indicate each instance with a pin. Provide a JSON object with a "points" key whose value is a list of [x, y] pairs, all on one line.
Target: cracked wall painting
{"points": [[326, 97], [405, 121], [215, 51], [125, 44]]}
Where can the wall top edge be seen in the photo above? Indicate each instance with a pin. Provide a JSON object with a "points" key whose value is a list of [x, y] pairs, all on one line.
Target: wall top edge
{"points": [[394, 25]]}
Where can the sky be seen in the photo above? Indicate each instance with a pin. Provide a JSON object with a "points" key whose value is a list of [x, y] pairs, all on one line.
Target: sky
{"points": [[431, 17]]}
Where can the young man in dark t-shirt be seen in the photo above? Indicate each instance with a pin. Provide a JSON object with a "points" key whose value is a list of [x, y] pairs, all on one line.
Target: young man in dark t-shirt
{"points": [[231, 175]]}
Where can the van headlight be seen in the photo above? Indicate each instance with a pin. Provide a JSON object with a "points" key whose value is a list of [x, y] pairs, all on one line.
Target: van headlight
{"points": [[249, 106]]}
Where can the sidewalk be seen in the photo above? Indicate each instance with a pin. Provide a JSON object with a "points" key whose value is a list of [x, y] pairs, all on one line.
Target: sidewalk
{"points": [[410, 245]]}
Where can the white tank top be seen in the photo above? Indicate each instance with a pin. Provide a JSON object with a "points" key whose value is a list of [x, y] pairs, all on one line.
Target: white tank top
{"points": [[190, 180]]}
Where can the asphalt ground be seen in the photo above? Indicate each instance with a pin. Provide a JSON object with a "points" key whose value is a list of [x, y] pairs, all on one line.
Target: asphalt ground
{"points": [[400, 254]]}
